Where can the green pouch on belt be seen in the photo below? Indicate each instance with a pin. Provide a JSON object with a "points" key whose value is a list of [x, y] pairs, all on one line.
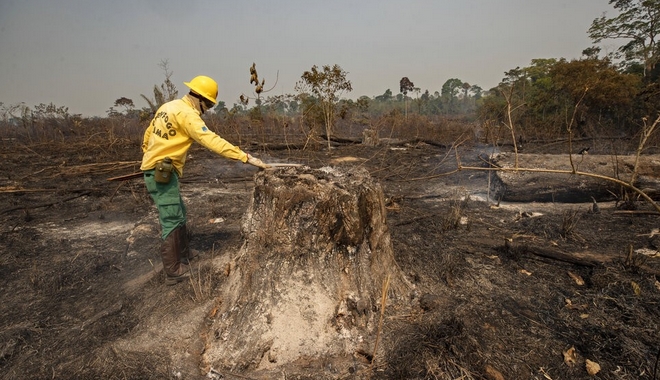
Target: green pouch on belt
{"points": [[163, 171]]}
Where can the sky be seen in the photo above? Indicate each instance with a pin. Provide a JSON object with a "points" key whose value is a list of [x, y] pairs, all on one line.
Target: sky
{"points": [[85, 54]]}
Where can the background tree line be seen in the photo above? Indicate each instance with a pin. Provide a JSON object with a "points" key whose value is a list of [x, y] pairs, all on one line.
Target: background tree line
{"points": [[597, 95]]}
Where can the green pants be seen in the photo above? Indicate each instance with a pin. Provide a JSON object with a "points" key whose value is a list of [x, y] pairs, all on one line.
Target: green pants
{"points": [[171, 210]]}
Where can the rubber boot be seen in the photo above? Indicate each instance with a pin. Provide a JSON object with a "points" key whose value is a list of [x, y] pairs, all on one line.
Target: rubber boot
{"points": [[187, 254], [170, 252]]}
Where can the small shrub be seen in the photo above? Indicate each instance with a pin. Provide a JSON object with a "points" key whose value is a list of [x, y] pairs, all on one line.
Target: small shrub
{"points": [[569, 220], [452, 219]]}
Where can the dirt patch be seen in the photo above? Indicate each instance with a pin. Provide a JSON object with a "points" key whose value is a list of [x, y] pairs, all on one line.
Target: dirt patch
{"points": [[85, 296]]}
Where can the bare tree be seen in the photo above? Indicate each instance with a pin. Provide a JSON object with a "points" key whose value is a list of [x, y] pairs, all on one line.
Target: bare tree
{"points": [[165, 92]]}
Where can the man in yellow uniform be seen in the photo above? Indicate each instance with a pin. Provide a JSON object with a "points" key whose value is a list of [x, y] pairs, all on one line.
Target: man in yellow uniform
{"points": [[165, 145]]}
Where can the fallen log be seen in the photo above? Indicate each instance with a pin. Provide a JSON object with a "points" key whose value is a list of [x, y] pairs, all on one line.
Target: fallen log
{"points": [[635, 212], [127, 177], [17, 190], [586, 259], [277, 146], [583, 258], [342, 140], [47, 204], [555, 254], [539, 186], [113, 309]]}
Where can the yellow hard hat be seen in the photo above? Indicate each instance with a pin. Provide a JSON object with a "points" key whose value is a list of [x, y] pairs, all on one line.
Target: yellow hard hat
{"points": [[204, 86]]}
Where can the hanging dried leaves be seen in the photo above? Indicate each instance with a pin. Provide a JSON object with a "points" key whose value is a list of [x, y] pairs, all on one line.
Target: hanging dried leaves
{"points": [[258, 86]]}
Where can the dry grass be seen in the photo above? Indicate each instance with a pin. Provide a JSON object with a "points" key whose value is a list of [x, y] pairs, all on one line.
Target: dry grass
{"points": [[621, 330], [204, 279], [453, 218], [111, 364], [433, 349], [570, 220]]}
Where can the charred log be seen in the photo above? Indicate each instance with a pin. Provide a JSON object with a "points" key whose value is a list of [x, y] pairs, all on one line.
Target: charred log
{"points": [[525, 186]]}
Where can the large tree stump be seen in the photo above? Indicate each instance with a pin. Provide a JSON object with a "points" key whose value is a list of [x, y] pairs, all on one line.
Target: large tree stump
{"points": [[308, 280]]}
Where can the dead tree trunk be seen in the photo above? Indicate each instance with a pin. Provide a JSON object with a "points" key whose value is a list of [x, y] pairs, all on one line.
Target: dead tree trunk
{"points": [[308, 280], [553, 187]]}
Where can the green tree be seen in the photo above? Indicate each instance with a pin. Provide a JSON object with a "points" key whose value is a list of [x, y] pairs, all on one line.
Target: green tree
{"points": [[220, 107], [450, 90], [125, 103], [536, 82], [451, 87], [638, 23], [405, 86], [362, 103], [606, 93], [546, 95], [476, 91], [128, 106], [385, 97], [327, 85]]}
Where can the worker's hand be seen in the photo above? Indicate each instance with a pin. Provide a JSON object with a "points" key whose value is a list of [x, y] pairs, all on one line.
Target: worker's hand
{"points": [[257, 162]]}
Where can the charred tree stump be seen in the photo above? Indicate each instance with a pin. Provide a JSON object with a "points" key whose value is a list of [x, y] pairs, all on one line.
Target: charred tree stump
{"points": [[370, 137], [308, 280]]}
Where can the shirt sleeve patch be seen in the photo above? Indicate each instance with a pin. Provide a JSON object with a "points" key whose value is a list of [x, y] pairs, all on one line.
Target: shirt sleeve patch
{"points": [[204, 129]]}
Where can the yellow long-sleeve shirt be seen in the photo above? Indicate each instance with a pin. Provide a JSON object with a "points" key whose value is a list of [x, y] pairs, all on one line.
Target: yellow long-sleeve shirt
{"points": [[172, 131]]}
